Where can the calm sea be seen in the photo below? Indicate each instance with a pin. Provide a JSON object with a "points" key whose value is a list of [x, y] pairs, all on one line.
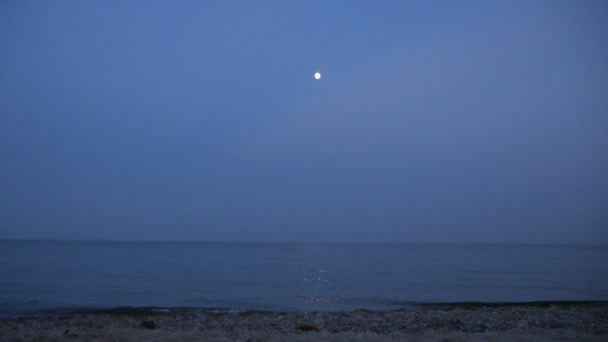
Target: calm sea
{"points": [[44, 276]]}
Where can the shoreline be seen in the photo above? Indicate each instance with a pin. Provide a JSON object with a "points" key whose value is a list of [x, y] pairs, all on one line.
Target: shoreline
{"points": [[153, 310], [499, 321]]}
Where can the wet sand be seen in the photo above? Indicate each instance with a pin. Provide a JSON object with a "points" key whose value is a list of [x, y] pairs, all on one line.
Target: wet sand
{"points": [[587, 322]]}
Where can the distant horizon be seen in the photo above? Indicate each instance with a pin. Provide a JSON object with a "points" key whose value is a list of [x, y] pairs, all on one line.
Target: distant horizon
{"points": [[312, 242]]}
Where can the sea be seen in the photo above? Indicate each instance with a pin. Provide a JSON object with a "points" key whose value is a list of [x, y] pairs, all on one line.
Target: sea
{"points": [[46, 277]]}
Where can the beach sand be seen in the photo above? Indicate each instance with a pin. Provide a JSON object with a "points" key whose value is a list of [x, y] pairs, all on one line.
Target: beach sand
{"points": [[580, 322]]}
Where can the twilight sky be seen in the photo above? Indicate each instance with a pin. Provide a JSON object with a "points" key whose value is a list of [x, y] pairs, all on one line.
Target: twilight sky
{"points": [[435, 121]]}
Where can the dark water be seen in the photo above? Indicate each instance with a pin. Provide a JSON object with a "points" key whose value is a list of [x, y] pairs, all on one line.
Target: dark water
{"points": [[40, 276]]}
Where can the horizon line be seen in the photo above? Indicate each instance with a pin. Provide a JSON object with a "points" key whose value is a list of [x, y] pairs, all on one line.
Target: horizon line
{"points": [[304, 242]]}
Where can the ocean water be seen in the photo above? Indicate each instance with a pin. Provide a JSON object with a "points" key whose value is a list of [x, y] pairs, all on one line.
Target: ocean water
{"points": [[46, 276]]}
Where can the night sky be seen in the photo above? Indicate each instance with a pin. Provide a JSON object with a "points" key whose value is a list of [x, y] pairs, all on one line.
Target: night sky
{"points": [[468, 121]]}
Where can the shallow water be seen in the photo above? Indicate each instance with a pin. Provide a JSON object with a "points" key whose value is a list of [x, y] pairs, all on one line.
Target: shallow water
{"points": [[36, 276]]}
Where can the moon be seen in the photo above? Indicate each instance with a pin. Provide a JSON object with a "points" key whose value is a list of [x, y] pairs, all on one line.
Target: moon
{"points": [[317, 75]]}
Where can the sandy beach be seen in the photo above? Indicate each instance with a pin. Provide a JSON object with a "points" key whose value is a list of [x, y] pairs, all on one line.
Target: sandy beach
{"points": [[588, 322]]}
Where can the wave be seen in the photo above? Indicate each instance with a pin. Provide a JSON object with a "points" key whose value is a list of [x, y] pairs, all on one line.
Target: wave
{"points": [[399, 305]]}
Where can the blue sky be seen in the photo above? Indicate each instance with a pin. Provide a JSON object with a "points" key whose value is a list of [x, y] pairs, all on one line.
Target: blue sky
{"points": [[434, 121]]}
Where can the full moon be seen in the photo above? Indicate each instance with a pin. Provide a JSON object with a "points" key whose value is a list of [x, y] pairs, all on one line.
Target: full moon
{"points": [[317, 75]]}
